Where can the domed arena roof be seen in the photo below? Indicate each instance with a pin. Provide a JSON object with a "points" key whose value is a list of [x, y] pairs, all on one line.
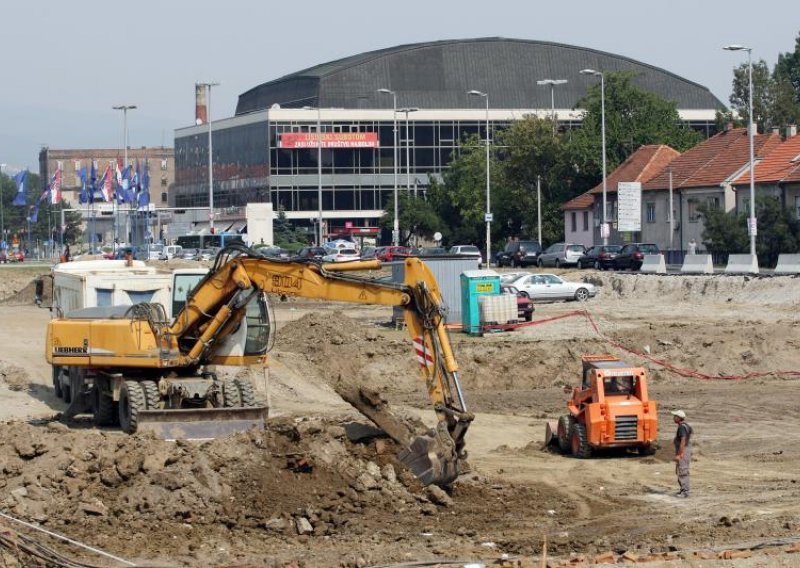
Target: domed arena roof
{"points": [[437, 75]]}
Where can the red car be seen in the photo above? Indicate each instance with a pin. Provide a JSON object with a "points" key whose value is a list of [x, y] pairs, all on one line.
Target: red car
{"points": [[390, 253], [524, 303]]}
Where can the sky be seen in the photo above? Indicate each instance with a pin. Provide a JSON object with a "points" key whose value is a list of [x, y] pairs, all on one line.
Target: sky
{"points": [[65, 64]]}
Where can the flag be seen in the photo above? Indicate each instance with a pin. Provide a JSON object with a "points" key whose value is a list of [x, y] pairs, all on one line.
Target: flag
{"points": [[124, 192], [34, 213], [144, 192], [19, 179], [137, 178], [119, 171], [84, 196], [55, 188], [93, 181], [105, 185]]}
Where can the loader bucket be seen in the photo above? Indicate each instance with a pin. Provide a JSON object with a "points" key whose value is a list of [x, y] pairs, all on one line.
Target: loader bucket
{"points": [[432, 459], [551, 434], [201, 423]]}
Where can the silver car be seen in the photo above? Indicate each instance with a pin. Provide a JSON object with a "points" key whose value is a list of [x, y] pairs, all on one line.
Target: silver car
{"points": [[550, 288], [561, 254]]}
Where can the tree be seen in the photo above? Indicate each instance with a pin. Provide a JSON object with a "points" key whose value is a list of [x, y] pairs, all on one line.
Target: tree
{"points": [[285, 234], [763, 94], [416, 215]]}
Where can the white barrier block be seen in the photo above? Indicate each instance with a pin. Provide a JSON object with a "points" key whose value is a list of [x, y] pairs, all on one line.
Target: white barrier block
{"points": [[788, 264], [697, 264], [653, 264], [742, 264]]}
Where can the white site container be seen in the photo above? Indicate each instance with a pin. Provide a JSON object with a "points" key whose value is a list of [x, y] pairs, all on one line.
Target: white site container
{"points": [[498, 309]]}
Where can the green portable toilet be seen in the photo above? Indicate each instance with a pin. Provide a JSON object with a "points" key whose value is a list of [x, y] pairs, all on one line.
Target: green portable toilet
{"points": [[475, 283]]}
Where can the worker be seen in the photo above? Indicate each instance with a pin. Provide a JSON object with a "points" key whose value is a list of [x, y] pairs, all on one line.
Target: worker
{"points": [[66, 256], [683, 451]]}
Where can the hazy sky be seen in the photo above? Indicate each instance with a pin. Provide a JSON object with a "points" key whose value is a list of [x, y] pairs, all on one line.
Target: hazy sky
{"points": [[65, 64]]}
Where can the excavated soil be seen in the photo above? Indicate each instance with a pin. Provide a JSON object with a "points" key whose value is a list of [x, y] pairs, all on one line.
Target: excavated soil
{"points": [[304, 492]]}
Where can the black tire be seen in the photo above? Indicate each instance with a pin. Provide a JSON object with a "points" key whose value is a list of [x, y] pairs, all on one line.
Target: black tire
{"points": [[524, 294], [57, 390], [581, 294], [103, 408], [152, 398], [647, 449], [562, 434], [231, 396], [514, 262], [579, 444], [66, 393], [131, 402], [247, 393], [539, 263], [529, 316], [558, 263]]}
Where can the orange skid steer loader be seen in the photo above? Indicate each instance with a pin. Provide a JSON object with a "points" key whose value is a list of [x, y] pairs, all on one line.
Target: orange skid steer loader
{"points": [[611, 409]]}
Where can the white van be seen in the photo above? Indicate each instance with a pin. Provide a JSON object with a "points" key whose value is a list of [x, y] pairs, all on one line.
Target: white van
{"points": [[170, 251]]}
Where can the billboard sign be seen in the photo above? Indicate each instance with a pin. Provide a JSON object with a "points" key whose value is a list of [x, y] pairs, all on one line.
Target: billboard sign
{"points": [[333, 140], [629, 206]]}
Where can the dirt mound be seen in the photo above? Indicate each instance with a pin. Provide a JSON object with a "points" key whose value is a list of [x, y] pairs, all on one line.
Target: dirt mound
{"points": [[15, 378], [25, 296]]}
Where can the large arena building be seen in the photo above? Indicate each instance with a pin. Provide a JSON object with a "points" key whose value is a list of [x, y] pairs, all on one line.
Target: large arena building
{"points": [[268, 151]]}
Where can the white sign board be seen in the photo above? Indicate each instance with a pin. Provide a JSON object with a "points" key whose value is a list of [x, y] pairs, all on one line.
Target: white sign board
{"points": [[629, 206]]}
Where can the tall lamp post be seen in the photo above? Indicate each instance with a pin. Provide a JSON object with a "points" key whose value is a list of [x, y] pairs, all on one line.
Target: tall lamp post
{"points": [[488, 215], [396, 225], [319, 172], [604, 229], [552, 83], [751, 126], [2, 212], [124, 109], [408, 147], [208, 85]]}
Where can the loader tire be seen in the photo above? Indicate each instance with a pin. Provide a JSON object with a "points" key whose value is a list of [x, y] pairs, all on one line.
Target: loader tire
{"points": [[231, 396], [151, 395], [131, 402], [578, 441], [647, 449], [66, 393], [57, 382], [103, 408], [562, 434], [247, 393]]}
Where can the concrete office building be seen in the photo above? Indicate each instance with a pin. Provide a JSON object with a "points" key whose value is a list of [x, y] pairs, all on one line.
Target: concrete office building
{"points": [[267, 151]]}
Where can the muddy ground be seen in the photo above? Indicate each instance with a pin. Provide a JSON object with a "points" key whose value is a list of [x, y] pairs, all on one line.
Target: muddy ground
{"points": [[304, 492]]}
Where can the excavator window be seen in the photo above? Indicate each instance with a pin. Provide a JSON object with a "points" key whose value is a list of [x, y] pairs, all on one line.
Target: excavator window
{"points": [[619, 385], [258, 326]]}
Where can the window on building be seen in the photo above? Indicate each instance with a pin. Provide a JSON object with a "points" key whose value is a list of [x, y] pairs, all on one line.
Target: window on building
{"points": [[163, 197], [651, 212], [163, 181], [712, 202], [163, 164], [574, 219], [585, 220], [692, 205]]}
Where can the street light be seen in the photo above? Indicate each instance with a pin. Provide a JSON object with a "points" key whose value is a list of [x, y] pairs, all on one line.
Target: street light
{"points": [[751, 225], [396, 226], [552, 83], [319, 173], [488, 215], [124, 109], [208, 85], [408, 148], [604, 229]]}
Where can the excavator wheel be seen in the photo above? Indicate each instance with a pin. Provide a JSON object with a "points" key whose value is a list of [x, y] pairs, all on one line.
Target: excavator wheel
{"points": [[647, 449], [247, 393], [579, 442], [151, 395], [131, 401], [103, 408], [57, 382], [564, 428], [231, 395]]}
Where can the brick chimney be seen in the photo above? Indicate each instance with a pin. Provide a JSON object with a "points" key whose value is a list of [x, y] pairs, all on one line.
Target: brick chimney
{"points": [[200, 107], [791, 131]]}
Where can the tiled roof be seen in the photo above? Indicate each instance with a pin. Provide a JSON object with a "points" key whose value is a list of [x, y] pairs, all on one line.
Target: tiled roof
{"points": [[713, 161], [781, 164], [583, 201], [642, 166]]}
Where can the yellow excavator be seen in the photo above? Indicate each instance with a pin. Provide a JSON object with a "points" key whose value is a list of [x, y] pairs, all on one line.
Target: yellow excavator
{"points": [[133, 365]]}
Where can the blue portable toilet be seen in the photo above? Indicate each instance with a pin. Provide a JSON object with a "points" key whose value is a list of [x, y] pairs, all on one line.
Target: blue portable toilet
{"points": [[475, 283]]}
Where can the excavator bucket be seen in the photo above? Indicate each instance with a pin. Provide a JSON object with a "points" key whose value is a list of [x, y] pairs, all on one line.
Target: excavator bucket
{"points": [[201, 423], [431, 459], [551, 434]]}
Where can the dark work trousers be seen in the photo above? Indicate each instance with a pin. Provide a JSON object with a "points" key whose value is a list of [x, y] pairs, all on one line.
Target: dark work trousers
{"points": [[682, 469]]}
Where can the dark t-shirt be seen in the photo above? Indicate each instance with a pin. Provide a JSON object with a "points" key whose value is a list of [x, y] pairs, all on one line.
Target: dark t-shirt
{"points": [[684, 431]]}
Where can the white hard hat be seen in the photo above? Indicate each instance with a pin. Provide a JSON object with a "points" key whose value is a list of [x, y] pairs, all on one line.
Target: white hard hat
{"points": [[679, 413]]}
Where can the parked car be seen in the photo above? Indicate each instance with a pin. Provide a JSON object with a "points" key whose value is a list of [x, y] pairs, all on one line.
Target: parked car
{"points": [[342, 255], [205, 254], [273, 251], [312, 252], [429, 251], [171, 251], [519, 253], [561, 254], [154, 251], [390, 253], [632, 255], [506, 277], [470, 251], [189, 254], [549, 287], [524, 303], [368, 253], [600, 257]]}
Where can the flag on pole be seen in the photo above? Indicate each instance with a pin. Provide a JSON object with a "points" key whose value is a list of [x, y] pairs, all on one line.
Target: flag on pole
{"points": [[84, 196], [124, 193], [34, 213], [144, 192], [105, 186], [19, 179], [55, 188], [93, 181], [119, 167]]}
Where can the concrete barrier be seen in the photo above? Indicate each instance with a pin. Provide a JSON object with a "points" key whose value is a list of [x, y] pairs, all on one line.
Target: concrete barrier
{"points": [[788, 264], [697, 264], [742, 264], [653, 264]]}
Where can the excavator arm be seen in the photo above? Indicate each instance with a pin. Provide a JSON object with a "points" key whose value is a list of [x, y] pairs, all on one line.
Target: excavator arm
{"points": [[218, 302]]}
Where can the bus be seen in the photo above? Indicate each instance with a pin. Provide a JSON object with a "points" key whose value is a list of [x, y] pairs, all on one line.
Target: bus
{"points": [[219, 240]]}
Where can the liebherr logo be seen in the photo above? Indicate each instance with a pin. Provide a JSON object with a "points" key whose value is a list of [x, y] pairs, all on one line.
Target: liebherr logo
{"points": [[67, 350], [280, 281]]}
